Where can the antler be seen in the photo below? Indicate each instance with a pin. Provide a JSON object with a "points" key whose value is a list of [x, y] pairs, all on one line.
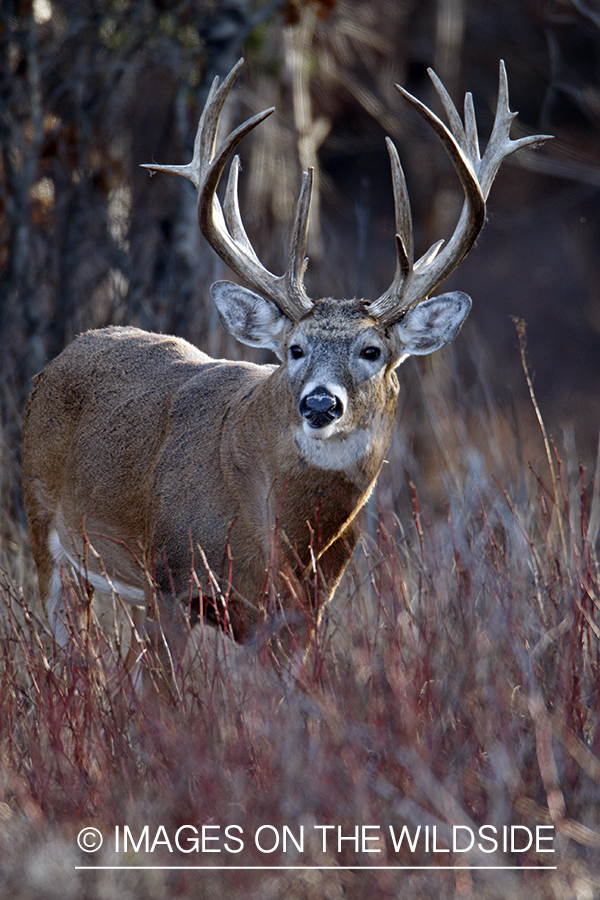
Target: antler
{"points": [[222, 226], [414, 281]]}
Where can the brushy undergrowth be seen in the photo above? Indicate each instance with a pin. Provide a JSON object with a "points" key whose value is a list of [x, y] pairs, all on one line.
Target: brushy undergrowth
{"points": [[454, 681]]}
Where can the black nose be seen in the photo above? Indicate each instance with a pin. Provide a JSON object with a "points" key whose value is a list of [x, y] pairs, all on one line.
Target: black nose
{"points": [[320, 407]]}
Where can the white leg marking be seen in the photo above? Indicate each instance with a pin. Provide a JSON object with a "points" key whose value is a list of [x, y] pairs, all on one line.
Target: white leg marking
{"points": [[55, 609], [103, 583]]}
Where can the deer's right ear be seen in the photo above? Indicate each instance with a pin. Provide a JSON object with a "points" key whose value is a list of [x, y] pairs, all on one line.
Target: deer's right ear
{"points": [[250, 318]]}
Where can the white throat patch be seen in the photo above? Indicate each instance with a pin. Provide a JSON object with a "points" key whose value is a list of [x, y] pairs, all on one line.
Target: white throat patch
{"points": [[334, 451]]}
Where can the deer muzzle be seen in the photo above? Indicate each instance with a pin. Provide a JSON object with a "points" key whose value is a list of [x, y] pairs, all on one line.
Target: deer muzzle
{"points": [[320, 407]]}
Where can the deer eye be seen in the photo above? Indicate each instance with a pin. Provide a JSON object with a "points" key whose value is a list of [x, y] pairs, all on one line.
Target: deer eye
{"points": [[296, 352], [371, 354]]}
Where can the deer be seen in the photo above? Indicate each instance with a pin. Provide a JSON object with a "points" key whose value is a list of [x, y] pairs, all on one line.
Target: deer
{"points": [[151, 469]]}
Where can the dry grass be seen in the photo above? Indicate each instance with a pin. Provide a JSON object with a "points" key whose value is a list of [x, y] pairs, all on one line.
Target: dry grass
{"points": [[453, 682]]}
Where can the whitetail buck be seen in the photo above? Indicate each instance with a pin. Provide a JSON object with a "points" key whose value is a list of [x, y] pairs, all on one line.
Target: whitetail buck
{"points": [[148, 466]]}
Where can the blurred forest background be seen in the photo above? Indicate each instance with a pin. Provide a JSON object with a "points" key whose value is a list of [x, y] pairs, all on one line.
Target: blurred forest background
{"points": [[90, 89]]}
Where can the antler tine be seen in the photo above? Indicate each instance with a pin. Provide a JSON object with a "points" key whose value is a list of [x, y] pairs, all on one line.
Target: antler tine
{"points": [[500, 145], [471, 130], [454, 120], [403, 215], [223, 227], [231, 211], [413, 283], [404, 236], [208, 126], [297, 260]]}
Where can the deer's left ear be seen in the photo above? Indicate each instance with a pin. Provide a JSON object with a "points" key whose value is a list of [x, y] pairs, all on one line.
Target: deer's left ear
{"points": [[250, 318], [431, 324]]}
